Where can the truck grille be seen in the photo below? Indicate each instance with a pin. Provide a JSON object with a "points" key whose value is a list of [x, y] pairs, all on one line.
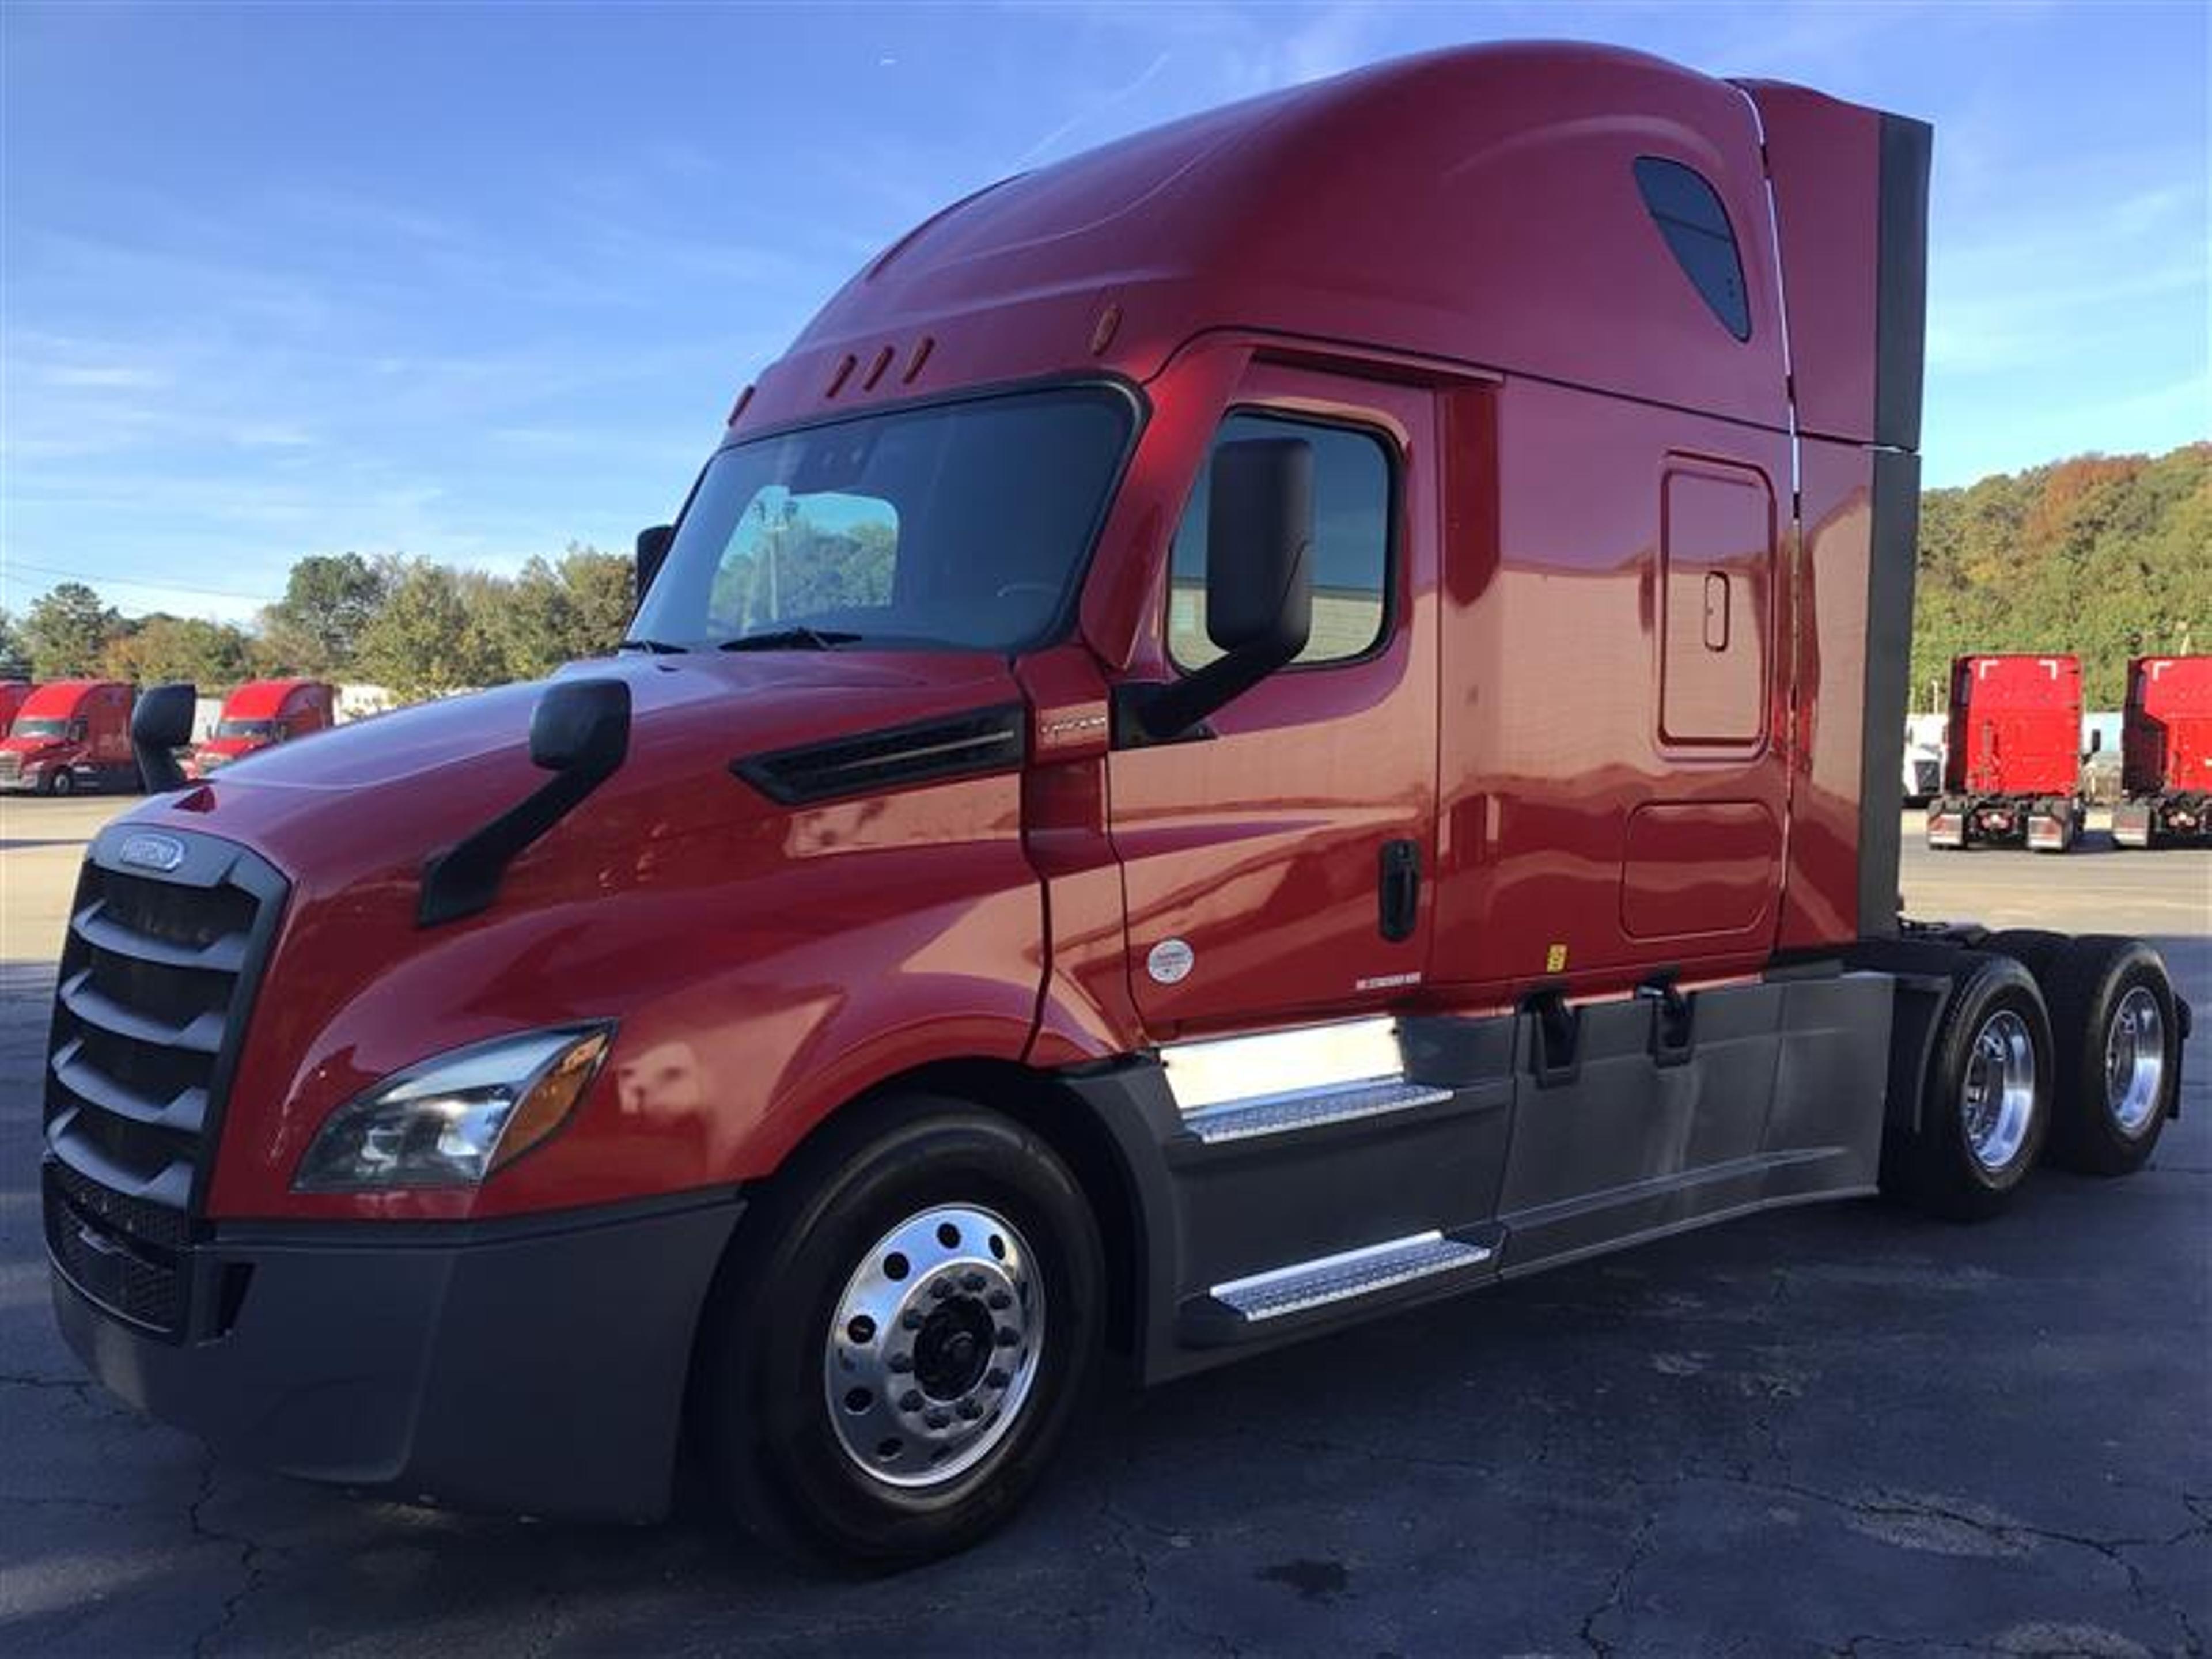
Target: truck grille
{"points": [[157, 980], [11, 766]]}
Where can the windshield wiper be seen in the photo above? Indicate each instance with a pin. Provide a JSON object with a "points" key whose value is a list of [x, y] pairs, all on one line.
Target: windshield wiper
{"points": [[798, 636], [657, 648]]}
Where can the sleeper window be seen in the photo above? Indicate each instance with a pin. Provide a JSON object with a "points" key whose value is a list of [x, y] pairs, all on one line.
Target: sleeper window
{"points": [[1696, 228], [1351, 559]]}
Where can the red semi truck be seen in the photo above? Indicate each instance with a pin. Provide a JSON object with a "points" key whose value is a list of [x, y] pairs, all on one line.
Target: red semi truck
{"points": [[2013, 770], [261, 713], [1250, 730], [71, 735], [2166, 753]]}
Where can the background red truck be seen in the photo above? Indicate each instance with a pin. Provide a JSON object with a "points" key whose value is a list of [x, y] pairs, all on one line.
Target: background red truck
{"points": [[2166, 753], [2013, 770], [71, 735], [1293, 716], [261, 713], [13, 693]]}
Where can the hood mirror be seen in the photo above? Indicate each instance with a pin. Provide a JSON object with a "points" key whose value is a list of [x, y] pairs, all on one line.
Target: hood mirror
{"points": [[161, 724]]}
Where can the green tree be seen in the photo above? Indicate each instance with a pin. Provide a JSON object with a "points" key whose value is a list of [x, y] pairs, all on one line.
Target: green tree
{"points": [[214, 656], [329, 600], [2105, 556], [68, 631], [14, 650], [429, 635], [564, 610]]}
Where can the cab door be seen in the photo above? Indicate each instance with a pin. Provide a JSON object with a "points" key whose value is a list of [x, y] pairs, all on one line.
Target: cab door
{"points": [[1279, 868]]}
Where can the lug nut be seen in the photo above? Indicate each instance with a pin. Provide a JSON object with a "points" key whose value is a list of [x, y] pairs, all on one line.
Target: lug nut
{"points": [[971, 1281], [997, 1301], [1008, 1336], [902, 1362], [910, 1321], [942, 1288], [997, 1378], [971, 1410], [910, 1401], [940, 1418]]}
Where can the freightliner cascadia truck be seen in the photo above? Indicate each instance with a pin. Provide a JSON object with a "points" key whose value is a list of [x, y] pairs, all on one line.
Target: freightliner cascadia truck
{"points": [[2012, 770], [2165, 753], [1291, 717], [71, 735], [261, 713]]}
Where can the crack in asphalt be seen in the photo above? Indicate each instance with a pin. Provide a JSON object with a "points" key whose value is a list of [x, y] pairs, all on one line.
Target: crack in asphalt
{"points": [[1639, 1546], [249, 1558]]}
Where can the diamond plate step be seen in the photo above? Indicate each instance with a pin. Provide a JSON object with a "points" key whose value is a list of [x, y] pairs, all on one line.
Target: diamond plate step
{"points": [[1359, 1273], [1309, 1109]]}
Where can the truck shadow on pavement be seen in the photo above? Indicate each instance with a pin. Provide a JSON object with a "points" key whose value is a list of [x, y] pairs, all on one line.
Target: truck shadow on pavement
{"points": [[1813, 1430]]}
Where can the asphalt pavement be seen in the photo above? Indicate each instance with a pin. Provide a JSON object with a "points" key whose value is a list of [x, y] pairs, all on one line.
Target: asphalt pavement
{"points": [[1835, 1430]]}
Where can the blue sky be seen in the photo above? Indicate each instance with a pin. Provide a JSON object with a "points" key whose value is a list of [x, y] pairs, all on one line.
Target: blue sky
{"points": [[472, 282]]}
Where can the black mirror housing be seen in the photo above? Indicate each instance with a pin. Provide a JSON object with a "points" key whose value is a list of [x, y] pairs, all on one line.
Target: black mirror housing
{"points": [[1259, 581], [1259, 538], [581, 726], [161, 724], [652, 552]]}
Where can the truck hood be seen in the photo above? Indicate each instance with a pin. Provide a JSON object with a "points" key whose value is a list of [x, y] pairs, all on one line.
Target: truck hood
{"points": [[32, 747], [395, 788], [673, 896]]}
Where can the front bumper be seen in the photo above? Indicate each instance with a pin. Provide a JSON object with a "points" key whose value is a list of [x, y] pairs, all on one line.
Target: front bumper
{"points": [[534, 1366]]}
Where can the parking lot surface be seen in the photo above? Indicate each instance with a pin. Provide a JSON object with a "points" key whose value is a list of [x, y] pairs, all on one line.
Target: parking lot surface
{"points": [[1833, 1430]]}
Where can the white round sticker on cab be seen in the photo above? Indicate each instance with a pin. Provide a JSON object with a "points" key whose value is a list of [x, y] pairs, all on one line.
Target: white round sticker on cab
{"points": [[1171, 961]]}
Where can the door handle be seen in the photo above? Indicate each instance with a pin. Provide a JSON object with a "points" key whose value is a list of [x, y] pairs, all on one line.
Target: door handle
{"points": [[1400, 889]]}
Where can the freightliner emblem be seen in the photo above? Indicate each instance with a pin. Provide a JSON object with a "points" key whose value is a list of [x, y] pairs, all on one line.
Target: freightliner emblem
{"points": [[150, 852]]}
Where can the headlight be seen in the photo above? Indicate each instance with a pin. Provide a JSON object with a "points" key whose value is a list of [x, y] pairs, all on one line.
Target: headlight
{"points": [[453, 1120]]}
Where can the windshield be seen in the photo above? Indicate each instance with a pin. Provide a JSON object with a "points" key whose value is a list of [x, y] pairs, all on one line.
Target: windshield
{"points": [[962, 525], [251, 728], [39, 728]]}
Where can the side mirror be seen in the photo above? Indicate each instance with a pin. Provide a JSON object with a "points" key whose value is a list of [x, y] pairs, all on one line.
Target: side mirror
{"points": [[581, 726], [160, 724], [652, 553], [580, 732], [2097, 740], [1259, 579]]}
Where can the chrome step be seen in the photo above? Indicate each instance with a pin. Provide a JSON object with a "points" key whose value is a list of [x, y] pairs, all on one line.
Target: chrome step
{"points": [[1341, 1277], [1238, 1070], [1309, 1109]]}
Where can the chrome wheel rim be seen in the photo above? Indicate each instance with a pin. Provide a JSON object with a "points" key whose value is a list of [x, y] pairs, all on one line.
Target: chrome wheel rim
{"points": [[2000, 1091], [2134, 1060], [933, 1348]]}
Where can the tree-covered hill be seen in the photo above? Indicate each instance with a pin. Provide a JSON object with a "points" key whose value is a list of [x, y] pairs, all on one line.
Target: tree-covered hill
{"points": [[2107, 556]]}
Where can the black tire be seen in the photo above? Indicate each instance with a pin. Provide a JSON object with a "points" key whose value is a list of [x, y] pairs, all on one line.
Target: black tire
{"points": [[763, 1400], [2033, 949], [2091, 988], [61, 782], [1937, 1167]]}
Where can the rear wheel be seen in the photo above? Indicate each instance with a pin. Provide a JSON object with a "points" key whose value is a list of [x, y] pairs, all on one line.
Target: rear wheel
{"points": [[1985, 1106], [906, 1327], [2118, 1043]]}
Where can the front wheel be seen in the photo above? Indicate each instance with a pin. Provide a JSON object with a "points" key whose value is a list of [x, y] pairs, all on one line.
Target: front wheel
{"points": [[61, 782], [905, 1330]]}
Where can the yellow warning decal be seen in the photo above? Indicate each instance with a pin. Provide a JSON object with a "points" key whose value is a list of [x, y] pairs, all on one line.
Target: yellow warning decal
{"points": [[1555, 959]]}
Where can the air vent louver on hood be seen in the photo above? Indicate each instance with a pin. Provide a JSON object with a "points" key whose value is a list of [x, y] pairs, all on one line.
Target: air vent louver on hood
{"points": [[898, 756]]}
